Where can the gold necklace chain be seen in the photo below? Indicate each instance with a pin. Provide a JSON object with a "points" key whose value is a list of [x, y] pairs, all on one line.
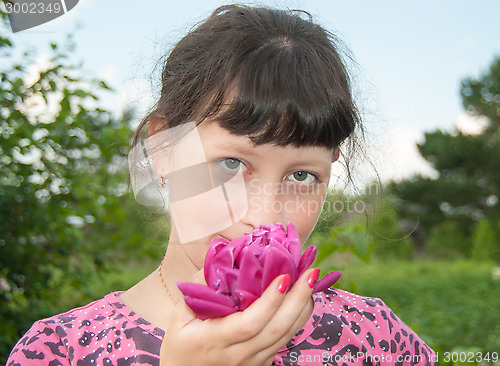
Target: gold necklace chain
{"points": [[164, 283]]}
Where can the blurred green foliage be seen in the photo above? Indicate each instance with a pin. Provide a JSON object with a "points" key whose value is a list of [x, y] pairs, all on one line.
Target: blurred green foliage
{"points": [[341, 230], [447, 240], [481, 96], [485, 242], [361, 226], [64, 208], [451, 305], [390, 237], [467, 185]]}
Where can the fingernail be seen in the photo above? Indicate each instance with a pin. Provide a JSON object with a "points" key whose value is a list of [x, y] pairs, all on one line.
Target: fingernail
{"points": [[284, 283], [313, 277]]}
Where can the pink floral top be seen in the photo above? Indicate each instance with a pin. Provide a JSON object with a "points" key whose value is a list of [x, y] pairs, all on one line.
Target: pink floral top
{"points": [[345, 329]]}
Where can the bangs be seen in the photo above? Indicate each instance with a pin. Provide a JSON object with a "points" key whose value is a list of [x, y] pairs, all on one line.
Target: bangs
{"points": [[287, 94]]}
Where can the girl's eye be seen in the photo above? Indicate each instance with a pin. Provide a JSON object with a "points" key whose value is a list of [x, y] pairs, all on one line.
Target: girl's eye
{"points": [[303, 177], [226, 168], [300, 176], [232, 163]]}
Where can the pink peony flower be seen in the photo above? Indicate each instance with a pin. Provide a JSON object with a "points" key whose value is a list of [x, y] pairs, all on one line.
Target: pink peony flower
{"points": [[239, 271]]}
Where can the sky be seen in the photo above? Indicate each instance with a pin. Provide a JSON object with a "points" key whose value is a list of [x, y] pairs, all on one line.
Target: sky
{"points": [[410, 58]]}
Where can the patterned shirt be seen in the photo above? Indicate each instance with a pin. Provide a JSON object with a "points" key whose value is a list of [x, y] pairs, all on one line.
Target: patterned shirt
{"points": [[344, 329]]}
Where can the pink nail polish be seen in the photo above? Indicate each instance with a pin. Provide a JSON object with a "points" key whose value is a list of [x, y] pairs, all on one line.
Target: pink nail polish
{"points": [[284, 283], [313, 277]]}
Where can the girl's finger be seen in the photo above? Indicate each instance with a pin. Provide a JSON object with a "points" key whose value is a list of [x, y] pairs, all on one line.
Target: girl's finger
{"points": [[299, 323], [254, 319], [269, 353], [285, 319]]}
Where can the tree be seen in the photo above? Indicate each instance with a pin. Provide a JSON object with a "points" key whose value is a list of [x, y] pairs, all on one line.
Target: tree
{"points": [[481, 97], [467, 186], [64, 211]]}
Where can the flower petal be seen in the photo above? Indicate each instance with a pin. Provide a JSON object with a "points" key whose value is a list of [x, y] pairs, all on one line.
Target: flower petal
{"points": [[293, 244], [257, 247], [327, 281], [244, 242], [294, 248], [202, 292], [223, 259], [250, 277], [277, 263], [291, 232], [245, 299], [307, 259], [241, 241], [261, 230], [275, 245], [278, 245], [205, 309], [277, 232], [228, 279], [216, 245]]}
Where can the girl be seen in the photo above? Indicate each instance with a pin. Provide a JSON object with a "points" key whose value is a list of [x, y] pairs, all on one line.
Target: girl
{"points": [[254, 106]]}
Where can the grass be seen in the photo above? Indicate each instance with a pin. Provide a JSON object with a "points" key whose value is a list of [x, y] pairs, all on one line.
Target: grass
{"points": [[451, 305]]}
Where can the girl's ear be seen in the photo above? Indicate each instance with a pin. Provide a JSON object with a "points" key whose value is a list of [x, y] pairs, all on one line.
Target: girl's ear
{"points": [[156, 123], [335, 156]]}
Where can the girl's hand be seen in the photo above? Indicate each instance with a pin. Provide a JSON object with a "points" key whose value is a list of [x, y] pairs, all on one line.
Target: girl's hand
{"points": [[250, 337]]}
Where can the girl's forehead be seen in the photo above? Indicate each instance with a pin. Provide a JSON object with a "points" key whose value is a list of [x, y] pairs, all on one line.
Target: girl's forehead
{"points": [[211, 130], [216, 139]]}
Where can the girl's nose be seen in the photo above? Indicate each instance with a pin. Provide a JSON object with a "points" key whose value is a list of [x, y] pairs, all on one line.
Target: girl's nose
{"points": [[265, 204]]}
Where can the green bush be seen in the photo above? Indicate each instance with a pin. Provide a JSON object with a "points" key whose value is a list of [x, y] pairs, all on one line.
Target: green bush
{"points": [[341, 232], [384, 225], [485, 244], [447, 241], [64, 210], [361, 225]]}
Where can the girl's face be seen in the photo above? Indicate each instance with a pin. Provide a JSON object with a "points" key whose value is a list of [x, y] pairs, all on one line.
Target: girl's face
{"points": [[242, 186]]}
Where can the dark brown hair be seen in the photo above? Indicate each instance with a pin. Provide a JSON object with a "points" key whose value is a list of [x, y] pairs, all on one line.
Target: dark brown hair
{"points": [[271, 75]]}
